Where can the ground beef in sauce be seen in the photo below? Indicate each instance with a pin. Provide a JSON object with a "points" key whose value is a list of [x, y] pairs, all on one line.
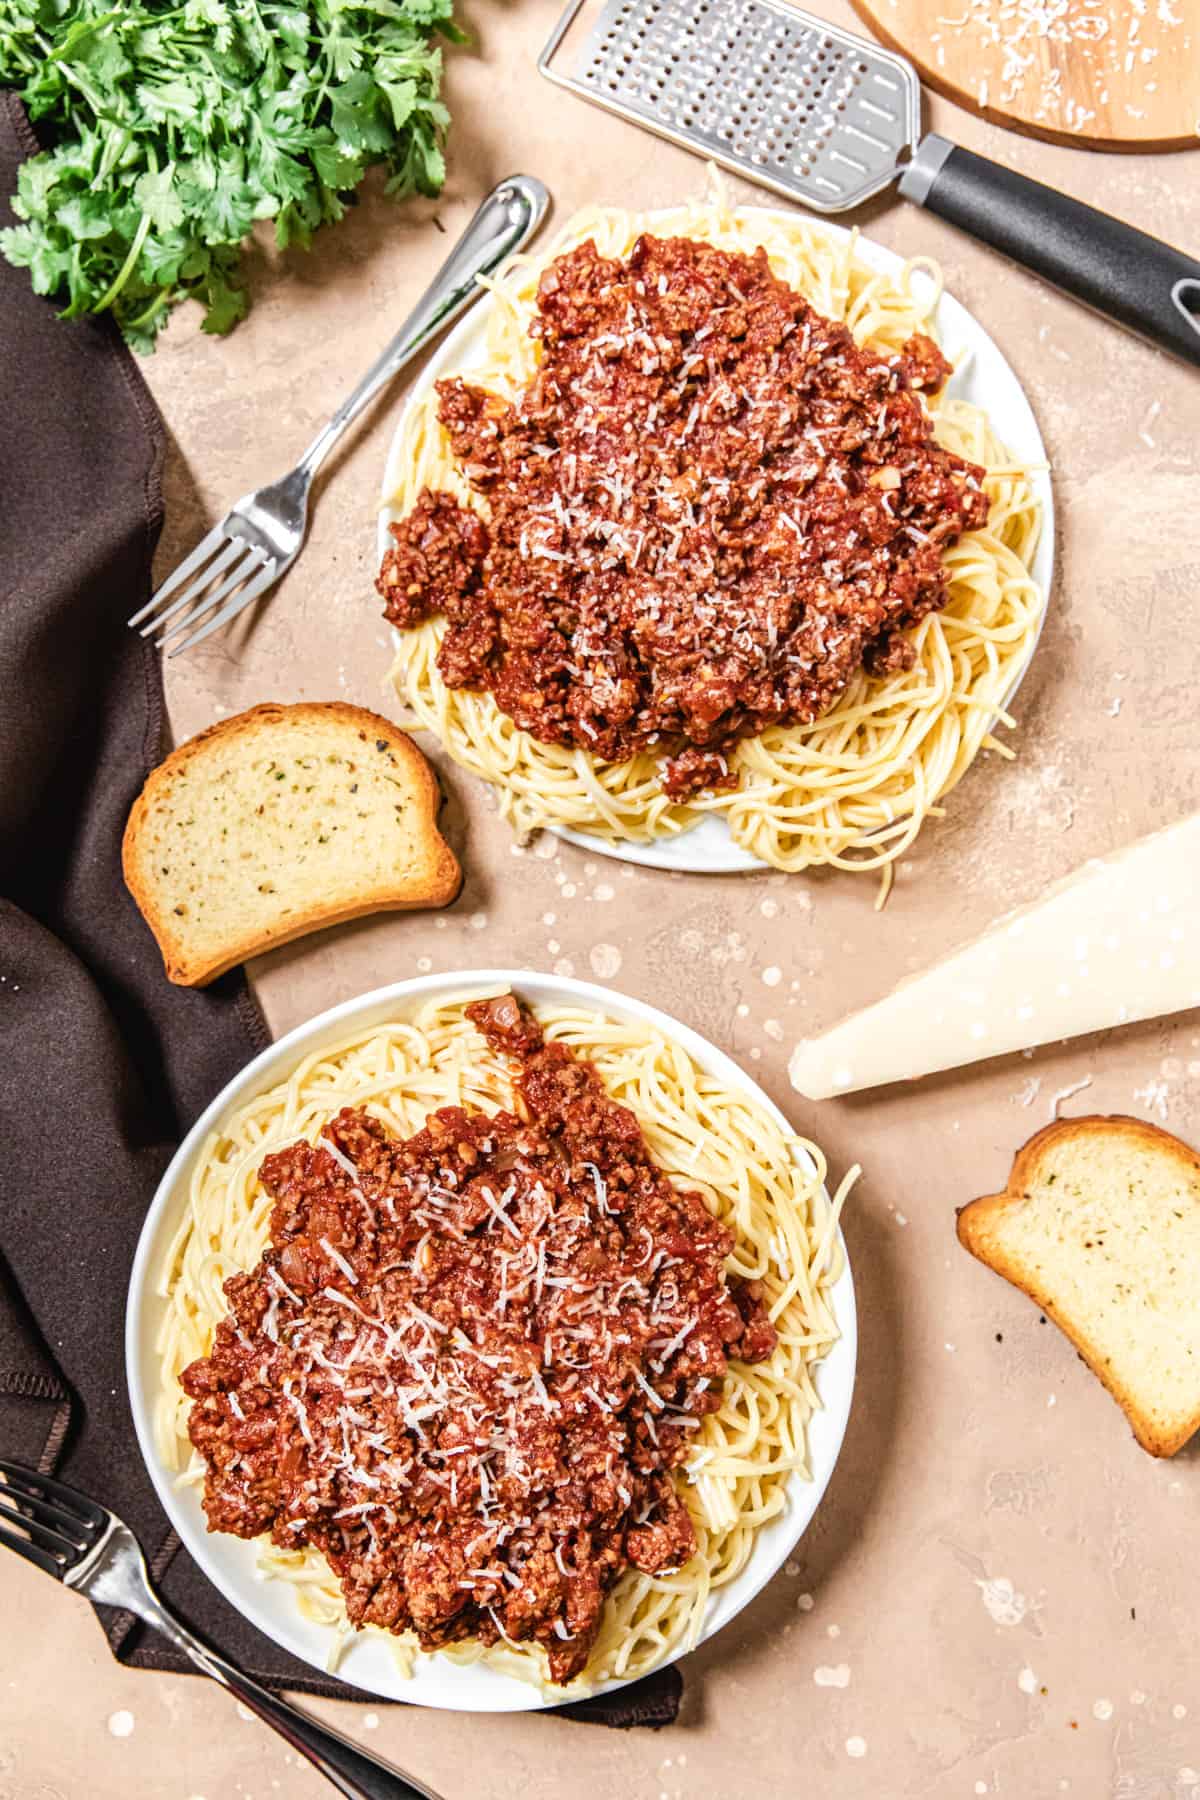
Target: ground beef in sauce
{"points": [[706, 513], [468, 1361]]}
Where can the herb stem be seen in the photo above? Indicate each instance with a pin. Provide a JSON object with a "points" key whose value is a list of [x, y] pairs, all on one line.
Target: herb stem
{"points": [[127, 267], [163, 298]]}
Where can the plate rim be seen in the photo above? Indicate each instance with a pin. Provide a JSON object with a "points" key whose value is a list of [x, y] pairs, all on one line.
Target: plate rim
{"points": [[437, 1679], [670, 853]]}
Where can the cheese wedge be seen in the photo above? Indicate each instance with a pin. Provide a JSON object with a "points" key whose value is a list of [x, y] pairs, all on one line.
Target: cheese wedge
{"points": [[1118, 940]]}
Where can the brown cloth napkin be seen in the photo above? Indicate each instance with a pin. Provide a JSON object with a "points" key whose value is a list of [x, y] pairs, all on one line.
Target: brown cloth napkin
{"points": [[103, 1062]]}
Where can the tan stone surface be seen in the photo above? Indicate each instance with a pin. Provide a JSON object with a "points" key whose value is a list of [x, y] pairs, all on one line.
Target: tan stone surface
{"points": [[1007, 1587]]}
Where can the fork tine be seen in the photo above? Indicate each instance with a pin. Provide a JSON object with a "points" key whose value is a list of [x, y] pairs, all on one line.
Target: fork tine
{"points": [[242, 571], [193, 592], [47, 1511], [266, 575], [204, 549], [30, 1485], [23, 1547], [44, 1535]]}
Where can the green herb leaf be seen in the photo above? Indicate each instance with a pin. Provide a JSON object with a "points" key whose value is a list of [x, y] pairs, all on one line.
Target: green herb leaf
{"points": [[176, 125], [155, 194]]}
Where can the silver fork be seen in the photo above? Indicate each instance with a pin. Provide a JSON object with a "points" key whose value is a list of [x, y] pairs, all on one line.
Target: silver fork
{"points": [[261, 535], [89, 1549]]}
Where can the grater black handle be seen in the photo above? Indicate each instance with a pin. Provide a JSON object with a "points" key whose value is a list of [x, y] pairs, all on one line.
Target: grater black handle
{"points": [[1144, 284]]}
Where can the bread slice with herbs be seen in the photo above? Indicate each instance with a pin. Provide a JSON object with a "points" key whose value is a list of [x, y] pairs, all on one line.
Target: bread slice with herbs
{"points": [[1100, 1226], [277, 822]]}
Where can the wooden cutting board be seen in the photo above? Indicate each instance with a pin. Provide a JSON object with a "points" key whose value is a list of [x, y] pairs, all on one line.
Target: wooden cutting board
{"points": [[1107, 74]]}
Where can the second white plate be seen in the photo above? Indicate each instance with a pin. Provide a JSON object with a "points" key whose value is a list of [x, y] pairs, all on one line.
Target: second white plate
{"points": [[230, 1563]]}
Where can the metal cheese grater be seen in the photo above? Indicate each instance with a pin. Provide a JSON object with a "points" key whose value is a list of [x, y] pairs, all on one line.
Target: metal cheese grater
{"points": [[827, 118]]}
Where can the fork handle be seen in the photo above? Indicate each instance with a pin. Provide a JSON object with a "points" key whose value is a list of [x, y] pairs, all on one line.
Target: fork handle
{"points": [[505, 221], [351, 1770]]}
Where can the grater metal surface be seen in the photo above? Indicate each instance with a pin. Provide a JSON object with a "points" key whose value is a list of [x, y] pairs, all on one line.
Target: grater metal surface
{"points": [[785, 99]]}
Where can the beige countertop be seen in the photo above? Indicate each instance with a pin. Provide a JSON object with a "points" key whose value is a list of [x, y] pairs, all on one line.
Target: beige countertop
{"points": [[999, 1594]]}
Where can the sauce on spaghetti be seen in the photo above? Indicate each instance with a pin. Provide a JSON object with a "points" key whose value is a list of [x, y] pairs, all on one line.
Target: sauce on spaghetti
{"points": [[468, 1361], [707, 511]]}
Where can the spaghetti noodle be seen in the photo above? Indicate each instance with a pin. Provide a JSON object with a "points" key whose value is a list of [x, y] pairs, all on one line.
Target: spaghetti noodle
{"points": [[764, 1185]]}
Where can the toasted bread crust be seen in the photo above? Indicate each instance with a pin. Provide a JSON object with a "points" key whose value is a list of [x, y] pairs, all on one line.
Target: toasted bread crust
{"points": [[974, 1227], [442, 876]]}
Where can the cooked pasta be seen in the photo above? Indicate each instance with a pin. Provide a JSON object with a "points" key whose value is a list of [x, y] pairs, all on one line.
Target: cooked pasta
{"points": [[854, 787], [763, 1183]]}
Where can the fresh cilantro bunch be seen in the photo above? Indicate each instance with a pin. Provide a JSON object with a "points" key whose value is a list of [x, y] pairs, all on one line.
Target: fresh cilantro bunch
{"points": [[172, 128]]}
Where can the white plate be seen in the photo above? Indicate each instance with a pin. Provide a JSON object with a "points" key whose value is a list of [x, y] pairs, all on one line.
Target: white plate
{"points": [[229, 1562], [985, 378]]}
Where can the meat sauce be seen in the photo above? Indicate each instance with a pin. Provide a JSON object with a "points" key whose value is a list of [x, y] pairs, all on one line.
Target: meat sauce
{"points": [[707, 511], [468, 1361]]}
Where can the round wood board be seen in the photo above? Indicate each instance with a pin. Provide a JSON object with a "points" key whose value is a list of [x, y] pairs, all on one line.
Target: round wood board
{"points": [[1107, 74]]}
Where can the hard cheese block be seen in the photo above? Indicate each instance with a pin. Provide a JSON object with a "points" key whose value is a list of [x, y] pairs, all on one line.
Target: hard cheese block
{"points": [[1119, 940]]}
